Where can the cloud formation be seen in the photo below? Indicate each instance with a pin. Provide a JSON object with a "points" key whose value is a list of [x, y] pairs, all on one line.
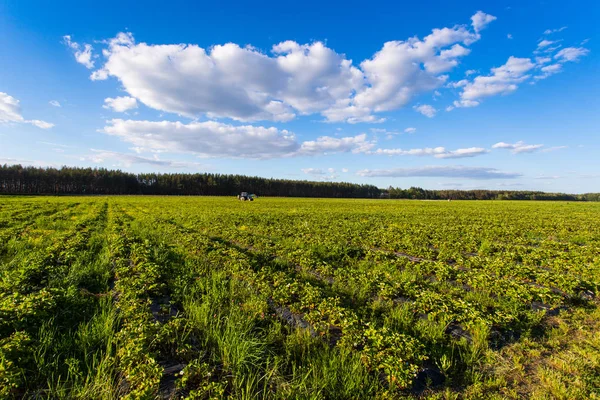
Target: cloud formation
{"points": [[437, 152], [451, 171], [10, 112], [571, 54], [217, 139], [519, 147], [83, 54], [120, 104], [507, 78], [244, 84], [426, 109], [480, 20], [501, 80]]}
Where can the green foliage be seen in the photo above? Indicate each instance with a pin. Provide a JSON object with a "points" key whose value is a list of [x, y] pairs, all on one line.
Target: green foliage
{"points": [[129, 297]]}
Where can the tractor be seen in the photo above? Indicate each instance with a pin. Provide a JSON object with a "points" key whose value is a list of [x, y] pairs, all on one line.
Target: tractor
{"points": [[246, 196]]}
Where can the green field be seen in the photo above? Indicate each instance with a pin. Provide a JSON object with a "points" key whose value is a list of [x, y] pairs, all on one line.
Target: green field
{"points": [[205, 297]]}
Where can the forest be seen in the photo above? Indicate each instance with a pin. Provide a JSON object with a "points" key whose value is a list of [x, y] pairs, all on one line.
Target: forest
{"points": [[18, 179]]}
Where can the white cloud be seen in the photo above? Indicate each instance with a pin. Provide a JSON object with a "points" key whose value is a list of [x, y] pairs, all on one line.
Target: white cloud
{"points": [[463, 103], [509, 36], [450, 171], [571, 54], [480, 20], [471, 72], [545, 43], [550, 31], [437, 152], [463, 153], [410, 130], [549, 70], [458, 84], [426, 109], [10, 112], [216, 139], [542, 60], [82, 56], [344, 170], [40, 124], [244, 84], [502, 80], [209, 139], [54, 103], [120, 104], [328, 144], [506, 78], [519, 147]]}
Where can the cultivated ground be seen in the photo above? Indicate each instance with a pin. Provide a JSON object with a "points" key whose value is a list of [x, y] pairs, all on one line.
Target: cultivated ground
{"points": [[145, 297]]}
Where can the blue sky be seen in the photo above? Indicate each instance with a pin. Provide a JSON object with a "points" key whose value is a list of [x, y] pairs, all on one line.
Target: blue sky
{"points": [[497, 95]]}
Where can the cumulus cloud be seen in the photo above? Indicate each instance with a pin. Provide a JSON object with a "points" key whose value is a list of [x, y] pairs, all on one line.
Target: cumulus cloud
{"points": [[437, 152], [83, 54], [410, 130], [519, 147], [450, 171], [480, 20], [54, 103], [10, 112], [502, 80], [216, 139], [244, 84], [120, 104], [426, 109]]}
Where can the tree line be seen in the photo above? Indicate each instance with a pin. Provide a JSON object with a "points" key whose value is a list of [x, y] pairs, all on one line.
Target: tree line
{"points": [[17, 179]]}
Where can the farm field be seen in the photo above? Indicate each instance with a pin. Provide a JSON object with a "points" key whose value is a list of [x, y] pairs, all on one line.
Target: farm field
{"points": [[208, 297]]}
